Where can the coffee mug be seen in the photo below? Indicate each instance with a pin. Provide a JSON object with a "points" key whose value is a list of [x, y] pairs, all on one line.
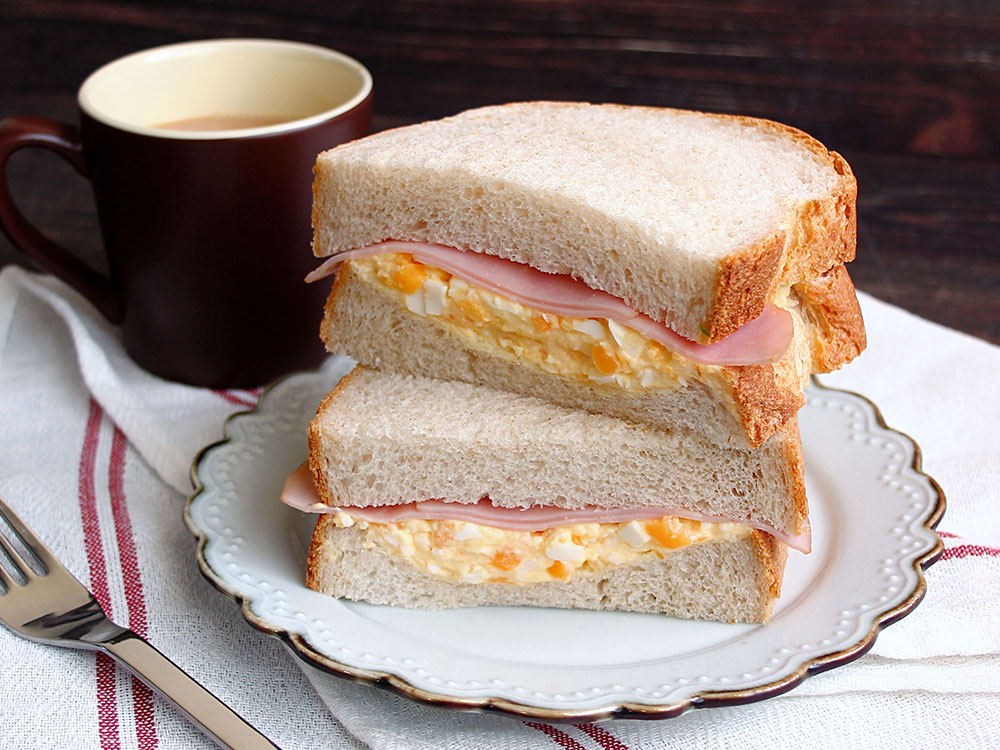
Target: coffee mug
{"points": [[200, 156]]}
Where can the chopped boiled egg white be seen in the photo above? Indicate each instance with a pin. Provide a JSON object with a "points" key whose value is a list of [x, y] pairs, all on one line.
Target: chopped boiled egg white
{"points": [[435, 296], [461, 551], [633, 534], [591, 327], [598, 350]]}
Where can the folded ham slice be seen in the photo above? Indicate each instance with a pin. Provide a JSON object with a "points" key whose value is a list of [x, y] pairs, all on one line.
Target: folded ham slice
{"points": [[761, 341], [300, 493]]}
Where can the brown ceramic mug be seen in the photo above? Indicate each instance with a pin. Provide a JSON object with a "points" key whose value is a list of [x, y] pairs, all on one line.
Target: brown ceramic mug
{"points": [[200, 155]]}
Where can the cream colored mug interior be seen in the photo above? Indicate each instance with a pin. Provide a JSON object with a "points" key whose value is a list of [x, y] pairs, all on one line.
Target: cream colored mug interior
{"points": [[290, 83]]}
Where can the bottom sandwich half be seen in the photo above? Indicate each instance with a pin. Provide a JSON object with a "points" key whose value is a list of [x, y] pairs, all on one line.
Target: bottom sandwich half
{"points": [[439, 494], [731, 577]]}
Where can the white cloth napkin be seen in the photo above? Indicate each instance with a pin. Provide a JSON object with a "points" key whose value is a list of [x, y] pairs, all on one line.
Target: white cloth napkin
{"points": [[95, 454]]}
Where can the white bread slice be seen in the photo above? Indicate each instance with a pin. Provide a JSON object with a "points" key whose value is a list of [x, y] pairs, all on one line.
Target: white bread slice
{"points": [[732, 581], [383, 438], [694, 219], [739, 407]]}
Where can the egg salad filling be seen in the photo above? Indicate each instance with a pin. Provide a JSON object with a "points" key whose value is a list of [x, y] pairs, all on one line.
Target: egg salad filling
{"points": [[598, 350], [465, 552]]}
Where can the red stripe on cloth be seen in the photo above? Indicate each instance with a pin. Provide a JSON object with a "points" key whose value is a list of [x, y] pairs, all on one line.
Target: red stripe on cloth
{"points": [[107, 704], [235, 398], [142, 696], [969, 550], [602, 736], [965, 550], [88, 509], [145, 724], [556, 735], [131, 575]]}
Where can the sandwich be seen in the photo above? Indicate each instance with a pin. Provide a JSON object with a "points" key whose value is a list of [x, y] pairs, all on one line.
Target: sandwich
{"points": [[675, 269], [435, 494], [583, 332]]}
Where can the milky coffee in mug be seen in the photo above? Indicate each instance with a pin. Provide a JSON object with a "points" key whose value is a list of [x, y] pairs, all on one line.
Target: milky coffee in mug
{"points": [[200, 155]]}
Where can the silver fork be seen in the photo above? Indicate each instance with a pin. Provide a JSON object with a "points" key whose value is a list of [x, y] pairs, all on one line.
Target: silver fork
{"points": [[49, 605]]}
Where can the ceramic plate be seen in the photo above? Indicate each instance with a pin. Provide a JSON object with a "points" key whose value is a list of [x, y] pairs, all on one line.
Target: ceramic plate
{"points": [[872, 511]]}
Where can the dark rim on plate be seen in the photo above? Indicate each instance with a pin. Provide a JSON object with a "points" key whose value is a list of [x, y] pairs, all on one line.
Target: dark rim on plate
{"points": [[624, 710]]}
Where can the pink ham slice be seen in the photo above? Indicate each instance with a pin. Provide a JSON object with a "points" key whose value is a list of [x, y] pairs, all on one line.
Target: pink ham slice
{"points": [[300, 493], [761, 341]]}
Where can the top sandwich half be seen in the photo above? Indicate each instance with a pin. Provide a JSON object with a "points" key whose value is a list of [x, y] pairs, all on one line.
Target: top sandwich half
{"points": [[719, 230]]}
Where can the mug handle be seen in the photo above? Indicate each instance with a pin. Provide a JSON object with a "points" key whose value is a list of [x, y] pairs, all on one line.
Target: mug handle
{"points": [[39, 132]]}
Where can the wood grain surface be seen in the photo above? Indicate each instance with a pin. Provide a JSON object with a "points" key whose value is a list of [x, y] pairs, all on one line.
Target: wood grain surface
{"points": [[908, 91]]}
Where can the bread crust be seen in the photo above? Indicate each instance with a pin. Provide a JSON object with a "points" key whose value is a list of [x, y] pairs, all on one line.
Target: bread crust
{"points": [[363, 321], [813, 237], [763, 402], [745, 282], [733, 581], [837, 326], [314, 436], [772, 555], [822, 236], [793, 468]]}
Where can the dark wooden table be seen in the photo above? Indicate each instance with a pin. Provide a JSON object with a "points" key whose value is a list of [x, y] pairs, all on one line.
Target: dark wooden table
{"points": [[908, 91]]}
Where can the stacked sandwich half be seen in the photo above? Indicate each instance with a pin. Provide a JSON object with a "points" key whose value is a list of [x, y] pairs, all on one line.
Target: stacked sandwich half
{"points": [[583, 334]]}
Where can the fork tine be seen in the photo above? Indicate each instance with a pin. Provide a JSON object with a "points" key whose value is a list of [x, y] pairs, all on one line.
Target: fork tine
{"points": [[28, 538], [16, 561], [5, 578]]}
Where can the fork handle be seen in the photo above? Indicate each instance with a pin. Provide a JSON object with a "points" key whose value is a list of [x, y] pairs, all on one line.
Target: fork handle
{"points": [[203, 709]]}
